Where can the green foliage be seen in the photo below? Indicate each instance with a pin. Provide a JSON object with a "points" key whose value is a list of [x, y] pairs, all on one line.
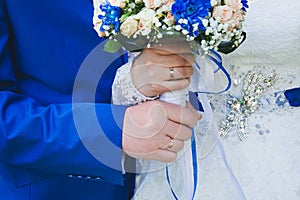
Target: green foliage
{"points": [[112, 46]]}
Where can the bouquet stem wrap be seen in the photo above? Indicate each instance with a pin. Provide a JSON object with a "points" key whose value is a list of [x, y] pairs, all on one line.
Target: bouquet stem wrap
{"points": [[180, 97]]}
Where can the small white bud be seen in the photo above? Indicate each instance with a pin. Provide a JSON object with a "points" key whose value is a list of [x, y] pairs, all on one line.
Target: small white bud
{"points": [[185, 32]]}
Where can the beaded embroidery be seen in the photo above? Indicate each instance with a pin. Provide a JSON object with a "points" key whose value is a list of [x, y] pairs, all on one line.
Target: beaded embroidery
{"points": [[239, 109]]}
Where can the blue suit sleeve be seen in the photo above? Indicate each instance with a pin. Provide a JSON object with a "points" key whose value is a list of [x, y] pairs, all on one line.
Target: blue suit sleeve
{"points": [[58, 138]]}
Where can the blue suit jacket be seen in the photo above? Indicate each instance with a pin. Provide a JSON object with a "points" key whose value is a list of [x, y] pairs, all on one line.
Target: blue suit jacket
{"points": [[42, 156]]}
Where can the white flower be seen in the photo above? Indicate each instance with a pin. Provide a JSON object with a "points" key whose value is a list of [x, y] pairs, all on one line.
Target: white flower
{"points": [[159, 35], [165, 8], [205, 22], [145, 18], [157, 3], [214, 2], [146, 31], [158, 24], [132, 5], [177, 27], [106, 27], [208, 30], [191, 38], [129, 27], [185, 21], [185, 32]]}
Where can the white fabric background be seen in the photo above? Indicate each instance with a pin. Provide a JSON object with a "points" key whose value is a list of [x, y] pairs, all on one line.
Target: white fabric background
{"points": [[267, 164]]}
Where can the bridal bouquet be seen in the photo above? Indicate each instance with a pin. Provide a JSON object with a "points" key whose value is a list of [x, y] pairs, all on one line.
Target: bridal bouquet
{"points": [[209, 26], [137, 24]]}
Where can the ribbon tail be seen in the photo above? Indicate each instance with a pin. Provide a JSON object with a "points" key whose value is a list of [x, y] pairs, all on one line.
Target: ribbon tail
{"points": [[190, 168]]}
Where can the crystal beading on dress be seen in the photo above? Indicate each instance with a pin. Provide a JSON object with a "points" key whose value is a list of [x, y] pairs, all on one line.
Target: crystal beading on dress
{"points": [[255, 84]]}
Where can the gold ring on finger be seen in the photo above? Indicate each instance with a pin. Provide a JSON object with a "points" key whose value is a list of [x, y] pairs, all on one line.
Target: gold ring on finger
{"points": [[172, 74], [171, 144]]}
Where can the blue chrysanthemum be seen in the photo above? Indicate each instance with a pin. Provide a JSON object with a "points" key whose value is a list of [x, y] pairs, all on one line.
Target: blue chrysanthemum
{"points": [[245, 5], [192, 12], [111, 17]]}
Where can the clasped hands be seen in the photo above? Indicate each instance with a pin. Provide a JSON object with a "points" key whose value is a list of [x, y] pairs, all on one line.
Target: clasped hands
{"points": [[156, 130]]}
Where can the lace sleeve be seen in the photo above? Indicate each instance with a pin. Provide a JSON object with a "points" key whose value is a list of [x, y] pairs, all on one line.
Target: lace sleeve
{"points": [[123, 90]]}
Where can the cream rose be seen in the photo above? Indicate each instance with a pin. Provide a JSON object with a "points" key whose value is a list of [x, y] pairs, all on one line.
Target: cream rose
{"points": [[167, 2], [236, 19], [223, 12], [145, 18], [152, 3], [118, 3], [234, 4], [129, 27]]}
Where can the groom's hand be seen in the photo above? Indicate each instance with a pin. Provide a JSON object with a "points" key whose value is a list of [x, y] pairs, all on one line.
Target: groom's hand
{"points": [[160, 69], [156, 130]]}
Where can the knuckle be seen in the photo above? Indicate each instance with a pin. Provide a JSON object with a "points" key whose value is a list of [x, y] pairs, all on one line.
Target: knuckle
{"points": [[185, 72], [190, 71], [180, 145], [156, 88], [172, 157], [150, 72], [185, 83], [188, 81], [195, 121], [179, 72], [189, 133]]}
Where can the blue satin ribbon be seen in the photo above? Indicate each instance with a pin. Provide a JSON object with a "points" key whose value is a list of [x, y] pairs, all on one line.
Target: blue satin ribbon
{"points": [[195, 169], [193, 99], [293, 96], [169, 182], [217, 59]]}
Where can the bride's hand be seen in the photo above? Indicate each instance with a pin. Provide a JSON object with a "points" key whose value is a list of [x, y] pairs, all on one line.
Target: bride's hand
{"points": [[151, 70], [156, 130]]}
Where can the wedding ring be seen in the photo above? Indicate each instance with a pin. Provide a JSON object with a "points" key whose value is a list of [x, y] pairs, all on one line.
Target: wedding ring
{"points": [[171, 144], [172, 75]]}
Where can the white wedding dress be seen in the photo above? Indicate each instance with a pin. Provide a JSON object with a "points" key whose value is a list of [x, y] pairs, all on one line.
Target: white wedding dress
{"points": [[266, 164]]}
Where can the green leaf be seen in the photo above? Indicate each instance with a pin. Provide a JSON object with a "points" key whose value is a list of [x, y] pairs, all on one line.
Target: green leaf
{"points": [[124, 16], [112, 46]]}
